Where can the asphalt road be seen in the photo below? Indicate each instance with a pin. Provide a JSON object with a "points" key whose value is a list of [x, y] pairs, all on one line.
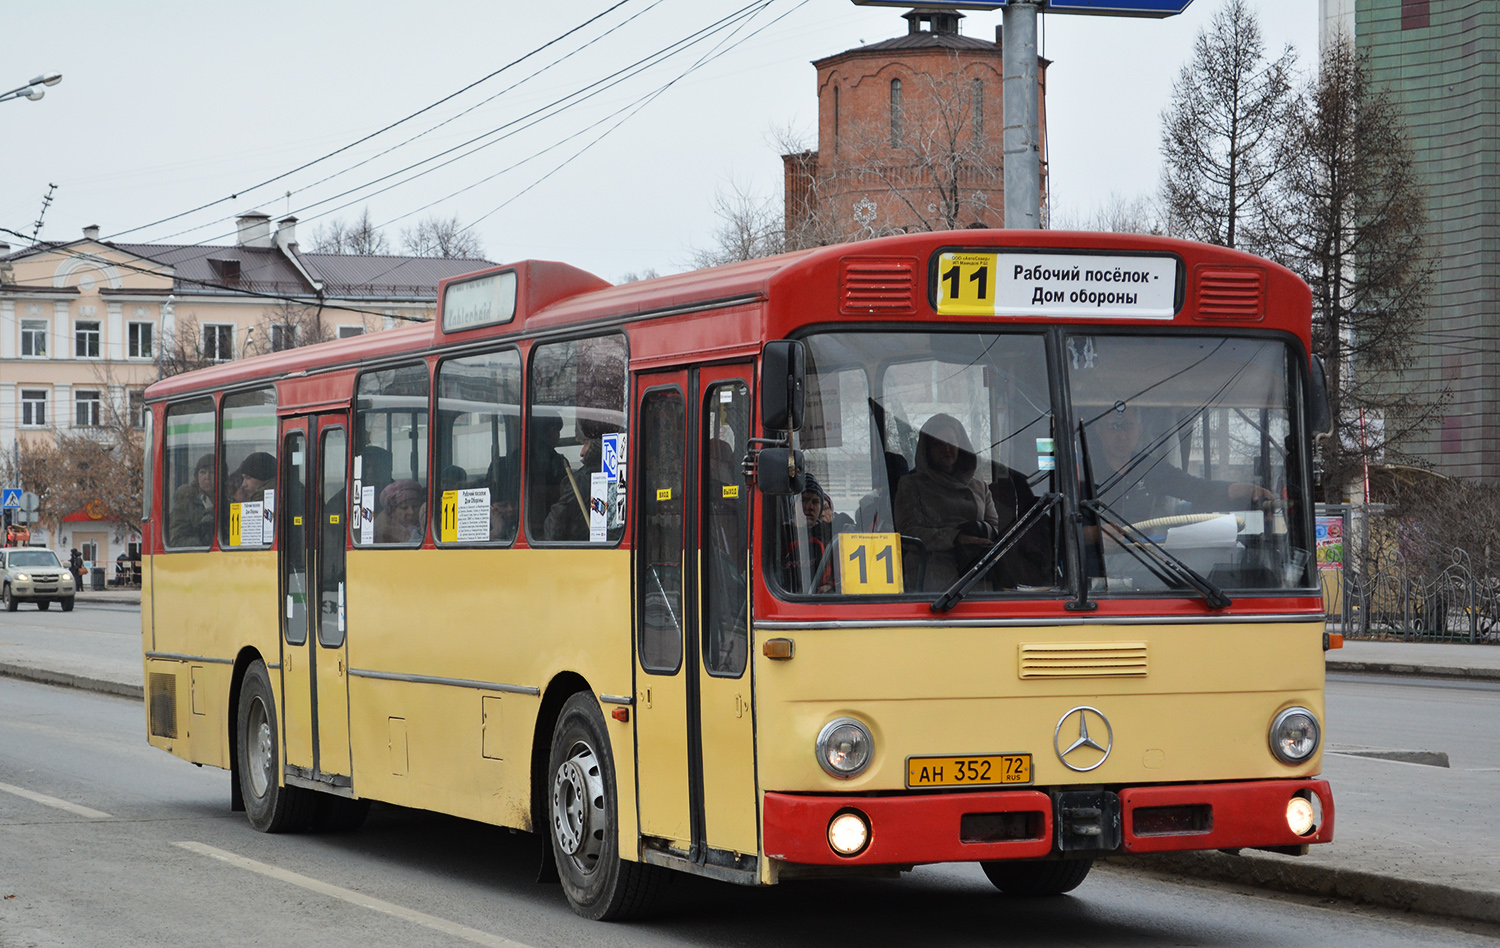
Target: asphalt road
{"points": [[105, 841]]}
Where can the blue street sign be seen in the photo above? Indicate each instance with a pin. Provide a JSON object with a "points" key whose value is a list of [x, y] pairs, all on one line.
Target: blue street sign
{"points": [[1152, 8], [10, 498]]}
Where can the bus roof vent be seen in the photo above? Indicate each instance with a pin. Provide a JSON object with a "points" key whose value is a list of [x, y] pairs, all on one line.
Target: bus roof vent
{"points": [[878, 286], [1231, 293]]}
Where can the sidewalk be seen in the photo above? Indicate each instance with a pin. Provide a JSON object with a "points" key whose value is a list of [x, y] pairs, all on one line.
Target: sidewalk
{"points": [[1407, 836]]}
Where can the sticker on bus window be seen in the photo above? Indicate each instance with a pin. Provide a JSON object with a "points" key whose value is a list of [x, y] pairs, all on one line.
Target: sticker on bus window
{"points": [[268, 524], [613, 453], [664, 493], [870, 564], [252, 523], [333, 518], [599, 491], [731, 490], [367, 515], [466, 516], [234, 524]]}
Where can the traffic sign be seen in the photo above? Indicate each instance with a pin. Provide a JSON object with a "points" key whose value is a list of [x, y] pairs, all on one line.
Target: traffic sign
{"points": [[30, 502], [1152, 8], [10, 498]]}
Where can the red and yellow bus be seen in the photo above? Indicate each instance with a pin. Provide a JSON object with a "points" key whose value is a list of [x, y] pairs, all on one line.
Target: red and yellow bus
{"points": [[987, 546]]}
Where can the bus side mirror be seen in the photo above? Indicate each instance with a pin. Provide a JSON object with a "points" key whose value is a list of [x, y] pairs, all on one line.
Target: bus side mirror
{"points": [[779, 472], [1321, 416], [783, 373]]}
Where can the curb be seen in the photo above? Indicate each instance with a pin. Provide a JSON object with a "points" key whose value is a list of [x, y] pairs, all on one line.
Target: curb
{"points": [[117, 688], [1349, 885], [1419, 671]]}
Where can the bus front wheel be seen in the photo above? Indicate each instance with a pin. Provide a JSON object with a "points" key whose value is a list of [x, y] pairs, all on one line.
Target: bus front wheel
{"points": [[271, 807], [1023, 877], [583, 823]]}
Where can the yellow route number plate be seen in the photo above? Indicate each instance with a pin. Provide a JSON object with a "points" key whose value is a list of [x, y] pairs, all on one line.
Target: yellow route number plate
{"points": [[983, 771]]}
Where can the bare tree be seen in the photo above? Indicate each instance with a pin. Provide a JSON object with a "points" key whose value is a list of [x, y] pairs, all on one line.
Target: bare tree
{"points": [[636, 275], [359, 237], [749, 227], [288, 325], [446, 237], [181, 350], [1117, 215], [1219, 134], [936, 166], [1349, 216]]}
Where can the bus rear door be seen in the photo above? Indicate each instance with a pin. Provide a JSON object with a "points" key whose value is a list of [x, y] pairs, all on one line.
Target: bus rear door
{"points": [[315, 648]]}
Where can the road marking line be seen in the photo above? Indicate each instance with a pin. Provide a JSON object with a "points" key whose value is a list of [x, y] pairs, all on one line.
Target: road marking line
{"points": [[42, 798], [357, 898]]}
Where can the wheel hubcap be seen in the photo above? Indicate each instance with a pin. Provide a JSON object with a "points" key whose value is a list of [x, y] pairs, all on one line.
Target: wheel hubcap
{"points": [[578, 814], [261, 750]]}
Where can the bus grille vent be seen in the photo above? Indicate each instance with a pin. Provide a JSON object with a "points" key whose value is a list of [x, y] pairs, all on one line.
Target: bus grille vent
{"points": [[1084, 660], [878, 286], [162, 691], [1231, 293]]}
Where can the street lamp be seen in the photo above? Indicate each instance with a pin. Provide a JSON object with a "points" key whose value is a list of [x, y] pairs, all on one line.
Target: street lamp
{"points": [[32, 90]]}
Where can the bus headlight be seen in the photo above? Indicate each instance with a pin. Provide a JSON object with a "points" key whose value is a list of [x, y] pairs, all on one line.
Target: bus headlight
{"points": [[1301, 816], [1294, 735], [849, 833], [844, 748]]}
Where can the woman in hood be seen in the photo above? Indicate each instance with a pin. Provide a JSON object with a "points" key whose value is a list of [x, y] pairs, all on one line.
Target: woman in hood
{"points": [[942, 504]]}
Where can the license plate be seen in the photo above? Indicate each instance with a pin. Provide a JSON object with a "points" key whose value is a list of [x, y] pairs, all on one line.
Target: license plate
{"points": [[982, 771]]}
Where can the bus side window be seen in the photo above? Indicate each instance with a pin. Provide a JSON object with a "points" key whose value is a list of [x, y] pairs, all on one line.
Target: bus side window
{"points": [[248, 442], [478, 448], [190, 477], [390, 432], [575, 481]]}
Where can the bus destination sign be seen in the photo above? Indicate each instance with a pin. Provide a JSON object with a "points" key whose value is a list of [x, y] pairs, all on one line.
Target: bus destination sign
{"points": [[479, 301], [1099, 286]]}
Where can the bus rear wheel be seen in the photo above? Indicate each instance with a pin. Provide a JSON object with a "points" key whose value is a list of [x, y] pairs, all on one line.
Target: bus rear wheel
{"points": [[583, 824], [1025, 877], [271, 807]]}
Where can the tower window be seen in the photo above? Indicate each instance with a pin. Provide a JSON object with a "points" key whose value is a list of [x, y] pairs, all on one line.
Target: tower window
{"points": [[895, 113]]}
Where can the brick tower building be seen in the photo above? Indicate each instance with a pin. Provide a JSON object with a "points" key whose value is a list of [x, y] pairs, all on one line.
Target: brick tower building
{"points": [[910, 137]]}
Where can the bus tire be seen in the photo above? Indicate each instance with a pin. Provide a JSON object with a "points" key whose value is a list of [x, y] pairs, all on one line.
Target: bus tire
{"points": [[271, 807], [1028, 877], [583, 824]]}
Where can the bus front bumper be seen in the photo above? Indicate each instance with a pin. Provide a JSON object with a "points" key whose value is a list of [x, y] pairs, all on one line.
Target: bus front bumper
{"points": [[911, 829]]}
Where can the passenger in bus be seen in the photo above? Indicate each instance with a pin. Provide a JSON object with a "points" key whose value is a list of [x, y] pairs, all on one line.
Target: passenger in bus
{"points": [[452, 477], [505, 511], [191, 516], [375, 468], [944, 505], [568, 518], [399, 517], [1032, 561], [249, 481], [549, 469], [1138, 484], [821, 522]]}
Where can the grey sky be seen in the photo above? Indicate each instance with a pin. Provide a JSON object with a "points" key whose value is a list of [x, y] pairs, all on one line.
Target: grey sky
{"points": [[169, 105]]}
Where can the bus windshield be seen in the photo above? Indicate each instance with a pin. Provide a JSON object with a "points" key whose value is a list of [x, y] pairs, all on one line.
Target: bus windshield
{"points": [[1189, 454], [924, 449], [942, 440]]}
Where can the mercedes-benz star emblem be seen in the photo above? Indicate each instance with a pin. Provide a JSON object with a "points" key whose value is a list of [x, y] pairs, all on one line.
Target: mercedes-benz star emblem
{"points": [[1084, 748]]}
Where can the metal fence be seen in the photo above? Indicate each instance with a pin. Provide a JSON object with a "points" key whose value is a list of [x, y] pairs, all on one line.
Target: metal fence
{"points": [[1383, 593]]}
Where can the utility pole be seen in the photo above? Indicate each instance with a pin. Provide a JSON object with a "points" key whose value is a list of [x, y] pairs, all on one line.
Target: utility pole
{"points": [[46, 203], [1023, 139]]}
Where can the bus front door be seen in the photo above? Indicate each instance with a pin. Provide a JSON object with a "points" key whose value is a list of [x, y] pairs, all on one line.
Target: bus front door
{"points": [[314, 649], [694, 730]]}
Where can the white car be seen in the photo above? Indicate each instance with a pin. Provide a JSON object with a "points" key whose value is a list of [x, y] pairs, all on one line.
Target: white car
{"points": [[34, 575]]}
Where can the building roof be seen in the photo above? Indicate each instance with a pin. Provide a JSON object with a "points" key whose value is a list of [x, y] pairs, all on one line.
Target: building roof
{"points": [[230, 270]]}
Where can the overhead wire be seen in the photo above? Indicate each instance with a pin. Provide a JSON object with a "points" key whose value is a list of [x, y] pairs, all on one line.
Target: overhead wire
{"points": [[381, 131]]}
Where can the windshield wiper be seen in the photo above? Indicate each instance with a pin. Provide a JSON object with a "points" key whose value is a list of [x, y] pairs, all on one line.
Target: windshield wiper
{"points": [[1166, 560], [1002, 546]]}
